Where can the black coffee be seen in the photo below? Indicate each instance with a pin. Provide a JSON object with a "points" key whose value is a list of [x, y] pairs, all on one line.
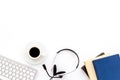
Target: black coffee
{"points": [[34, 52]]}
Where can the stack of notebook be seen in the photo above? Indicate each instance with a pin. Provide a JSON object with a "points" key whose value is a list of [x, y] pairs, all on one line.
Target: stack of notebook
{"points": [[103, 67]]}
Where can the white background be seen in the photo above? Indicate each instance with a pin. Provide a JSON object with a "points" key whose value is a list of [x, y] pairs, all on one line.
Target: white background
{"points": [[87, 26]]}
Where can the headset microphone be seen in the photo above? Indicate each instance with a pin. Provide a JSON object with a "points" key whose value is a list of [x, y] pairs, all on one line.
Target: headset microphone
{"points": [[44, 67], [60, 74]]}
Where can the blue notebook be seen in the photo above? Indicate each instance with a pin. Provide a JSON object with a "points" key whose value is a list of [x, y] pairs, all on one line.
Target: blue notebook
{"points": [[108, 68]]}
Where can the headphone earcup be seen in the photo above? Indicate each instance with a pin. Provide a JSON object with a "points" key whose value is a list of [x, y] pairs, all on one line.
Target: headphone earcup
{"points": [[54, 69], [60, 72], [55, 72]]}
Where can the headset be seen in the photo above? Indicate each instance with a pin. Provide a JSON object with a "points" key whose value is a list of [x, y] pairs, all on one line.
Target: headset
{"points": [[60, 74]]}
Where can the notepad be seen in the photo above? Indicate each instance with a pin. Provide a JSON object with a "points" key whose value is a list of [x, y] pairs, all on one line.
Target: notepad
{"points": [[84, 68], [108, 68], [90, 68]]}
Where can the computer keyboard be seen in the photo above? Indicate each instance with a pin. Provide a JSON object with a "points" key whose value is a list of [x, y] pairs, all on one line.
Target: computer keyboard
{"points": [[12, 70]]}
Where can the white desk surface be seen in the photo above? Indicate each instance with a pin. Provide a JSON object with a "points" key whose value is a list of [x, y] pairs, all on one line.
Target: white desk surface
{"points": [[89, 27]]}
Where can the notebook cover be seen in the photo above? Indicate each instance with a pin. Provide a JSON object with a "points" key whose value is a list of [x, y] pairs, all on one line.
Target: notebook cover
{"points": [[85, 70], [108, 68]]}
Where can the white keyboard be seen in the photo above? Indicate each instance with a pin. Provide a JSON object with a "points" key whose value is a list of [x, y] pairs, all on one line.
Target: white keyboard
{"points": [[12, 70]]}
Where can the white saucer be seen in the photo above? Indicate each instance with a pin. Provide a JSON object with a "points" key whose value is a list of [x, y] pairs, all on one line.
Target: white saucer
{"points": [[37, 60]]}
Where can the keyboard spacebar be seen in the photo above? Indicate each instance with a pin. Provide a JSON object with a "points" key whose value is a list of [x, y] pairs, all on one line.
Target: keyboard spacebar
{"points": [[3, 78]]}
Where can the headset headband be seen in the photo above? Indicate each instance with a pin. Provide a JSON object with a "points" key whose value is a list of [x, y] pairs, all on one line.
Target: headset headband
{"points": [[72, 52]]}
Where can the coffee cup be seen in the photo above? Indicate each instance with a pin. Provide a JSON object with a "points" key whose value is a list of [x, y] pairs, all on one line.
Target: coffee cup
{"points": [[35, 53]]}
